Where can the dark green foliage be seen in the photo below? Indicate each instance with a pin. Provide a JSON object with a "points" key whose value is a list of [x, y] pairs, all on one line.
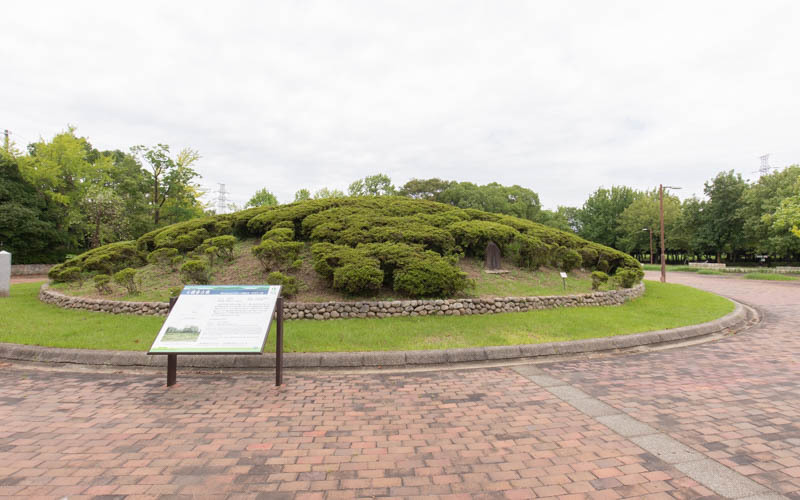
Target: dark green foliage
{"points": [[297, 264], [176, 262], [531, 252], [598, 279], [276, 254], [430, 277], [566, 259], [627, 277], [28, 219], [474, 235], [186, 236], [602, 265], [162, 257], [289, 284], [358, 278], [588, 257], [195, 272], [127, 279], [102, 282]]}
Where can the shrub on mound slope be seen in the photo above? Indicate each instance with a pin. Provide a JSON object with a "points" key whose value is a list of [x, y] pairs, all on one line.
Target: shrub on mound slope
{"points": [[359, 244]]}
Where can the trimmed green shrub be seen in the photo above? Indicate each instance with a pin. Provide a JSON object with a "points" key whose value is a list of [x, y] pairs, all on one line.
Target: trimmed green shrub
{"points": [[279, 234], [127, 278], [289, 284], [174, 291], [531, 252], [195, 272], [175, 262], [602, 265], [162, 257], [588, 257], [224, 246], [102, 283], [70, 274], [276, 254], [211, 252], [567, 259], [627, 277], [431, 277], [358, 279], [598, 279], [474, 235], [296, 264], [105, 259]]}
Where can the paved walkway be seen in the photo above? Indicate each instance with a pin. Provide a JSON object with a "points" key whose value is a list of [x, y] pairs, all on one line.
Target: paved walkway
{"points": [[709, 421]]}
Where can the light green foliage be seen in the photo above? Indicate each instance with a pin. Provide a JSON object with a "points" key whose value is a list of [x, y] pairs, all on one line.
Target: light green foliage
{"points": [[296, 264], [106, 259], [276, 254], [195, 271], [567, 259], [430, 277], [223, 246], [70, 274], [102, 283], [279, 234], [627, 277], [127, 278], [262, 198], [599, 278], [211, 253], [302, 195], [642, 214], [473, 236], [531, 252], [289, 284], [724, 220], [172, 189], [325, 193], [511, 200], [373, 185], [174, 291]]}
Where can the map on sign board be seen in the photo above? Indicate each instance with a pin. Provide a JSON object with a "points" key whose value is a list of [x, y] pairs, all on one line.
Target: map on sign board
{"points": [[218, 319]]}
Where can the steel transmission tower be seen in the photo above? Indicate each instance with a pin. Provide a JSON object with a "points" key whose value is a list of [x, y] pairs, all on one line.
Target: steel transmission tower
{"points": [[222, 199]]}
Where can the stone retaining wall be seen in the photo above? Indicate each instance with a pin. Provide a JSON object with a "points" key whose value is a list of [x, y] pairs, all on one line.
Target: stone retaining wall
{"points": [[707, 265], [30, 269], [373, 309]]}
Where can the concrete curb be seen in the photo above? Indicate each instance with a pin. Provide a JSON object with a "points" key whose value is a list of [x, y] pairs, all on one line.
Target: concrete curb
{"points": [[372, 359]]}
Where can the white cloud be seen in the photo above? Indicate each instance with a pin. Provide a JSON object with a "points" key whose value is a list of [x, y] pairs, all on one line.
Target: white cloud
{"points": [[557, 97]]}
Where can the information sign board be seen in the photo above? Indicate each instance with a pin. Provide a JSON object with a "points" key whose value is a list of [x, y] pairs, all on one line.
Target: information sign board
{"points": [[218, 319]]}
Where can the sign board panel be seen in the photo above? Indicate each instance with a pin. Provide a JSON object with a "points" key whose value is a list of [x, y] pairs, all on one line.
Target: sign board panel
{"points": [[218, 319], [563, 275]]}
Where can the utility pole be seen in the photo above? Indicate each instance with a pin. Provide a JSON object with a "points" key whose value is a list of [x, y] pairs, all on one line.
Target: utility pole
{"points": [[661, 216]]}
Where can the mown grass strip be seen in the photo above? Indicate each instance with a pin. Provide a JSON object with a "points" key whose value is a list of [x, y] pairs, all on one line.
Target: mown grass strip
{"points": [[769, 276], [25, 320]]}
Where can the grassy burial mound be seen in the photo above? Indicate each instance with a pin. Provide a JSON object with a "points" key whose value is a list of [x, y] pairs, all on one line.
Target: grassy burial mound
{"points": [[341, 247]]}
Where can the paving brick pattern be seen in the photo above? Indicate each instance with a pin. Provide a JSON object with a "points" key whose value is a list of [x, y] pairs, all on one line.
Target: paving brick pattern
{"points": [[736, 400], [478, 433]]}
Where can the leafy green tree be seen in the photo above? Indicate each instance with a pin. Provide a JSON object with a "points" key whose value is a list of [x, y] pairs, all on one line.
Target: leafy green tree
{"points": [[597, 220], [171, 181], [761, 202], [28, 219], [787, 215], [644, 213], [425, 189], [511, 200], [563, 218], [373, 185], [302, 195], [262, 198], [724, 219], [328, 193]]}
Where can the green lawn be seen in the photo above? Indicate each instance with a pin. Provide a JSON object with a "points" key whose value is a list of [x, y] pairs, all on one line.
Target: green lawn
{"points": [[769, 276], [25, 320]]}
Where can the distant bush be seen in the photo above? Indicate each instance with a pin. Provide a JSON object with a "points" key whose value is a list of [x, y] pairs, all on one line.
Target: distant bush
{"points": [[195, 272], [102, 283], [279, 234], [358, 279], [531, 252], [289, 284], [224, 246], [567, 259], [598, 279], [70, 274], [127, 278], [431, 277], [626, 277]]}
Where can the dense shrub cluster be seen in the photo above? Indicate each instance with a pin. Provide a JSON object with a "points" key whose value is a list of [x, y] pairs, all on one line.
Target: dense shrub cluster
{"points": [[361, 244]]}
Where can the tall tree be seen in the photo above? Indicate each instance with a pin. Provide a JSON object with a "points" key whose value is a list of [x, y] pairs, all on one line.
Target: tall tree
{"points": [[725, 220], [170, 179], [644, 213], [302, 194], [425, 189], [598, 218], [328, 193], [760, 201], [372, 185]]}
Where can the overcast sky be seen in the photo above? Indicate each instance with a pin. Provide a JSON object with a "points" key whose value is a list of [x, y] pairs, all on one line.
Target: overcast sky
{"points": [[559, 97]]}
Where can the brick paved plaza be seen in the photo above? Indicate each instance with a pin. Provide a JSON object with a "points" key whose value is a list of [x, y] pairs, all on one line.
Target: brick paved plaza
{"points": [[716, 420]]}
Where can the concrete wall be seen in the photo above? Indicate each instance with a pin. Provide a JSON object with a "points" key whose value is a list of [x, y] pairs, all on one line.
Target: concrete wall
{"points": [[30, 269]]}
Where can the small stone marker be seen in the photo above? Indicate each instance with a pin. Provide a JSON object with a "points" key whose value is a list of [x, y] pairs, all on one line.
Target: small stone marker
{"points": [[5, 273], [492, 256]]}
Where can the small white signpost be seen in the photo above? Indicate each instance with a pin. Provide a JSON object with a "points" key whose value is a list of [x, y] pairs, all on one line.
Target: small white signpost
{"points": [[564, 279], [221, 319], [5, 273]]}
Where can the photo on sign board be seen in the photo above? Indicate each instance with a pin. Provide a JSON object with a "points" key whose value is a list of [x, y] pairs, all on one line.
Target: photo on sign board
{"points": [[188, 333]]}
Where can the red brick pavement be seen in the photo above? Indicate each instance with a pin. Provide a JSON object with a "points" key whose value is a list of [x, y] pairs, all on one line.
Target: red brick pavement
{"points": [[736, 400], [478, 433]]}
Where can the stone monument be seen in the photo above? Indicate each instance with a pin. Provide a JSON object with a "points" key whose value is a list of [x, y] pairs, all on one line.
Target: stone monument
{"points": [[492, 256], [5, 273]]}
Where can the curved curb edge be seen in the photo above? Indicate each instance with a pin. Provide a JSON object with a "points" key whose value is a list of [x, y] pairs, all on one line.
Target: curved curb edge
{"points": [[373, 359]]}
